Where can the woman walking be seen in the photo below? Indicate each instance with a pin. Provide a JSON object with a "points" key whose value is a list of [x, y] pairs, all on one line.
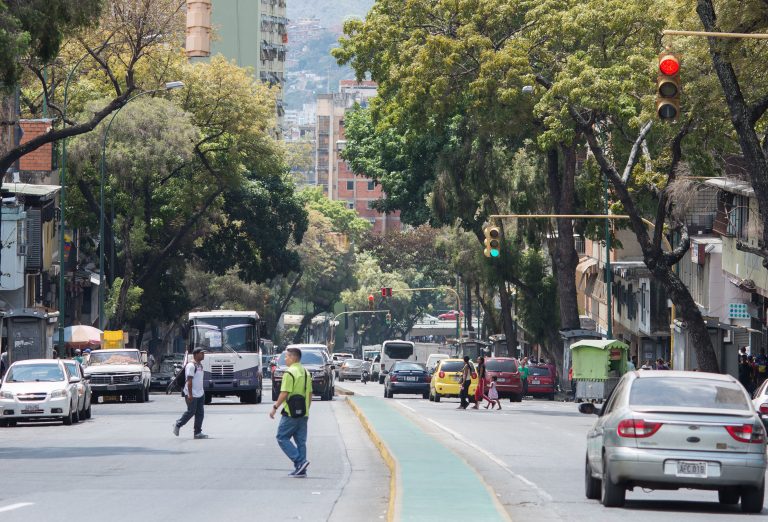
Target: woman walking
{"points": [[481, 377]]}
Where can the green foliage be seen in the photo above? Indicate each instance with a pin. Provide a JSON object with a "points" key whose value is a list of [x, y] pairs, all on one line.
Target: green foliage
{"points": [[540, 316], [343, 220], [134, 300]]}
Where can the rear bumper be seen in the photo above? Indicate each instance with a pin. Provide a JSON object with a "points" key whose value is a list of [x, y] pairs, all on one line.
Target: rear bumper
{"points": [[544, 389], [50, 408], [350, 375], [409, 387], [452, 390], [656, 468]]}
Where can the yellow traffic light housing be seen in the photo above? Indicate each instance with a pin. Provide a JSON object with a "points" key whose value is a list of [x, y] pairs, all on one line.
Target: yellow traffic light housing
{"points": [[492, 241], [668, 87]]}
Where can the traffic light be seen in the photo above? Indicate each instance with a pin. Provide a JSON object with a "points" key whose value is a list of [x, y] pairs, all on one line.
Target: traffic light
{"points": [[386, 292], [492, 241], [668, 87], [371, 303]]}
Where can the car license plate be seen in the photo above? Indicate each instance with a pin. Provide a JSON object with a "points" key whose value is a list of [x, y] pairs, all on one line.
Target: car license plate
{"points": [[111, 387], [111, 398], [687, 468], [456, 378], [535, 381], [501, 379], [29, 409], [410, 379], [243, 382]]}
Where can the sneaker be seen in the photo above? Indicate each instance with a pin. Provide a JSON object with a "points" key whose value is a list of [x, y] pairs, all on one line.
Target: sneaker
{"points": [[302, 469], [201, 436], [176, 429], [303, 474]]}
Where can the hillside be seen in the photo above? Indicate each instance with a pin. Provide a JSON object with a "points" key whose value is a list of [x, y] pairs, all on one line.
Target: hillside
{"points": [[330, 12]]}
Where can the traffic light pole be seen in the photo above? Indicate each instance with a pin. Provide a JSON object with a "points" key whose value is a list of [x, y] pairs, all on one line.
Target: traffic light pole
{"points": [[332, 330], [709, 34], [449, 289]]}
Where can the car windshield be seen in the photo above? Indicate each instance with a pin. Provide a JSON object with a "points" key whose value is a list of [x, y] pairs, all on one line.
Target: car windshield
{"points": [[452, 366], [71, 367], [35, 373], [113, 357], [398, 350], [403, 366], [167, 367], [501, 365], [688, 393], [225, 334], [353, 363], [306, 358], [538, 371]]}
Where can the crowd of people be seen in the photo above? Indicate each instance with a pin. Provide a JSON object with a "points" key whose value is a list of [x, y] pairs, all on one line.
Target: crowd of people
{"points": [[752, 370]]}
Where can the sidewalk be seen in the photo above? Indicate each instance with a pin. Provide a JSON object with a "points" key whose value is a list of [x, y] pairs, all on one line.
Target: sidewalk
{"points": [[432, 482]]}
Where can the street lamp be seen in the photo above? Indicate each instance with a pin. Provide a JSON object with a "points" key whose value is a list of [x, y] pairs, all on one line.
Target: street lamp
{"points": [[62, 204], [167, 87]]}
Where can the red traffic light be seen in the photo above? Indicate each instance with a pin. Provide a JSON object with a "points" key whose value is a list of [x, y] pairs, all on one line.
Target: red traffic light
{"points": [[669, 65], [370, 298], [386, 292]]}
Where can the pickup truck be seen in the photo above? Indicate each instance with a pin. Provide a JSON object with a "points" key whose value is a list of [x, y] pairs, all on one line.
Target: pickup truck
{"points": [[118, 373]]}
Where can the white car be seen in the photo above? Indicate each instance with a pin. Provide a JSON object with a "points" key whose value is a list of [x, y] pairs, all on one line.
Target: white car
{"points": [[38, 389], [83, 388], [760, 399]]}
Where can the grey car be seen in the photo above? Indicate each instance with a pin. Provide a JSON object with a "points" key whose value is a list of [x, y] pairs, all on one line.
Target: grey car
{"points": [[352, 369], [673, 430]]}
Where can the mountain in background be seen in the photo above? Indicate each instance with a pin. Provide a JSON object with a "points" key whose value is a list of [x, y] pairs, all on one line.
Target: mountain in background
{"points": [[331, 13]]}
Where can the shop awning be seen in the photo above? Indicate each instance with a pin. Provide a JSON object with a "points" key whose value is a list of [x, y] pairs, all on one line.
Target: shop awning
{"points": [[586, 267], [29, 189]]}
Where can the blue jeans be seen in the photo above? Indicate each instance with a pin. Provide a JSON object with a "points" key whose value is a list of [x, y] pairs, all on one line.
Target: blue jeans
{"points": [[195, 408], [295, 429]]}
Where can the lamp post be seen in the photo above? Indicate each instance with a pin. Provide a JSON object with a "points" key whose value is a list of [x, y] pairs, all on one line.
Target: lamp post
{"points": [[63, 201], [167, 87]]}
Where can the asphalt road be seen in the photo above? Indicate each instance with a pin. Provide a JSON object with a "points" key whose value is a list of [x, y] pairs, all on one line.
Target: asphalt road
{"points": [[125, 465], [532, 456]]}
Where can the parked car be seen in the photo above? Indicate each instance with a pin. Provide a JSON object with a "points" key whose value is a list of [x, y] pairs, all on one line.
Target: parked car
{"points": [[352, 369], [433, 359], [542, 381], [338, 358], [119, 374], [84, 393], [38, 389], [445, 380], [407, 377], [676, 430], [164, 374], [450, 315], [507, 374], [318, 363]]}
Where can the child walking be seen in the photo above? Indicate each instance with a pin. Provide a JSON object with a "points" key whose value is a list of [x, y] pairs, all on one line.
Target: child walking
{"points": [[493, 395]]}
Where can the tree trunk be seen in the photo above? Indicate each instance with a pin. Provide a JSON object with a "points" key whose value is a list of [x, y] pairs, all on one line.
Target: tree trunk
{"points": [[122, 300], [305, 322], [506, 318]]}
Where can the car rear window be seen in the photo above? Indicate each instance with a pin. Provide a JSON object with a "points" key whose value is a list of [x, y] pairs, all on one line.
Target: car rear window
{"points": [[407, 367], [452, 366], [496, 365], [541, 372], [306, 358], [688, 393], [353, 363]]}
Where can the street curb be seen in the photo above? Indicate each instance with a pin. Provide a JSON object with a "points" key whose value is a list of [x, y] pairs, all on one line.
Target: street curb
{"points": [[343, 391], [386, 455]]}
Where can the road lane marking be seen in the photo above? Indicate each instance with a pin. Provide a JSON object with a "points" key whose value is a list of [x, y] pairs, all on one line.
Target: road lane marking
{"points": [[15, 506], [401, 403], [539, 491]]}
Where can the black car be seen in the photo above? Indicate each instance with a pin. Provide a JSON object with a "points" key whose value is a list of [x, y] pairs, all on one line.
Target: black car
{"points": [[318, 364], [163, 376], [407, 377]]}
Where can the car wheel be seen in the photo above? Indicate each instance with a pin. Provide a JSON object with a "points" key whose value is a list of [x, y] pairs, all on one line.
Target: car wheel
{"points": [[146, 394], [517, 397], [386, 393], [612, 495], [341, 379], [275, 394], [752, 498], [437, 397], [591, 484], [88, 412], [3, 423], [258, 396], [76, 416], [728, 496], [68, 419], [425, 395], [140, 396], [431, 397]]}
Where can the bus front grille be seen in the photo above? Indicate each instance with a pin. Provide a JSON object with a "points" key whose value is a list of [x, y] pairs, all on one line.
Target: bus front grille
{"points": [[222, 371]]}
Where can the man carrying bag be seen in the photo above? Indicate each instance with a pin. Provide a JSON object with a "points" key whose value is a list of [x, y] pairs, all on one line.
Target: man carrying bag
{"points": [[296, 396]]}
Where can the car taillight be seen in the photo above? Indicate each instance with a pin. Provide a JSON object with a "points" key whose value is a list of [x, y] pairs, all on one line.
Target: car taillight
{"points": [[427, 378], [763, 408], [747, 433], [637, 428], [392, 377], [441, 375]]}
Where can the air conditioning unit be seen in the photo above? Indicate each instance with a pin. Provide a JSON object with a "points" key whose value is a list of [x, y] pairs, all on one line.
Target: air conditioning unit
{"points": [[21, 249]]}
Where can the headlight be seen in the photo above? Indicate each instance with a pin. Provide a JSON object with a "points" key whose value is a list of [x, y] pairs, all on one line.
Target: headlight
{"points": [[58, 393], [6, 395], [136, 378]]}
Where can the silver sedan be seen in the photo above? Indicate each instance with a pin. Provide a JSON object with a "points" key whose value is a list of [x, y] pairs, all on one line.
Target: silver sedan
{"points": [[352, 369], [672, 430]]}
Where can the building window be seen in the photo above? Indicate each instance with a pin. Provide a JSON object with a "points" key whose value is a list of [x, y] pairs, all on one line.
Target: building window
{"points": [[350, 185], [351, 205], [372, 221], [642, 302], [371, 185]]}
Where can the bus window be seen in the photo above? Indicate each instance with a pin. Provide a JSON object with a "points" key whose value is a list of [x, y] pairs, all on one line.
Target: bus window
{"points": [[398, 351]]}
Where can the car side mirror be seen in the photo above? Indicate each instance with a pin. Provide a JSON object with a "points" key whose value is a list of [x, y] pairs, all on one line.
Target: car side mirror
{"points": [[588, 408], [74, 380]]}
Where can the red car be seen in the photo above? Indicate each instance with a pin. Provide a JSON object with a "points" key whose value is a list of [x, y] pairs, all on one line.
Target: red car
{"points": [[508, 382], [542, 381], [450, 316]]}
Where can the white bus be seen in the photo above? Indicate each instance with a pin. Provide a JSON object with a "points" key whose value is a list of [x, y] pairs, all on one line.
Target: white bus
{"points": [[232, 361], [392, 351]]}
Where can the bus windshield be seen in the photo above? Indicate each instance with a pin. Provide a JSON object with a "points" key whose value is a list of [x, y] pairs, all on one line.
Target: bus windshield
{"points": [[224, 334], [398, 350]]}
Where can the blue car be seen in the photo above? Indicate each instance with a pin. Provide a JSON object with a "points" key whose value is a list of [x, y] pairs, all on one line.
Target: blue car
{"points": [[407, 377]]}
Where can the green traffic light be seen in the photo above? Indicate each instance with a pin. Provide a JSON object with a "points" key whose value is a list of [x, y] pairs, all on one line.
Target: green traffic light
{"points": [[495, 252]]}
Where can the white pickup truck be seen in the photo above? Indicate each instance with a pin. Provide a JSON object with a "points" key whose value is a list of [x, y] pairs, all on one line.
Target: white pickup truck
{"points": [[118, 373]]}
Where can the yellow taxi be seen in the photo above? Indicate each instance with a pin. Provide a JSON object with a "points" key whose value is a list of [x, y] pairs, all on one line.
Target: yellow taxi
{"points": [[445, 380]]}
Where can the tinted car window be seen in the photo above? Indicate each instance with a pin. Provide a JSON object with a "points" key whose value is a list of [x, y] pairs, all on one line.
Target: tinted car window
{"points": [[452, 366], [496, 365], [306, 358], [407, 366], [535, 370], [688, 393]]}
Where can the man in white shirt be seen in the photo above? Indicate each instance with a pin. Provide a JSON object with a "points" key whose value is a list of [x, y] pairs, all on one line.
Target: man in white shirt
{"points": [[194, 395]]}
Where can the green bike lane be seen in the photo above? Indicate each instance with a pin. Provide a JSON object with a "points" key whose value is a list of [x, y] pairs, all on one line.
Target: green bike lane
{"points": [[431, 481]]}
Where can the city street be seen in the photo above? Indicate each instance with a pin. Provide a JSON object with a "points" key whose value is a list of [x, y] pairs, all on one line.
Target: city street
{"points": [[532, 456], [125, 465]]}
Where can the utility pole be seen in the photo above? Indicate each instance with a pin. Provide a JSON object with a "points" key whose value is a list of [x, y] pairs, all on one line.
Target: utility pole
{"points": [[608, 272]]}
